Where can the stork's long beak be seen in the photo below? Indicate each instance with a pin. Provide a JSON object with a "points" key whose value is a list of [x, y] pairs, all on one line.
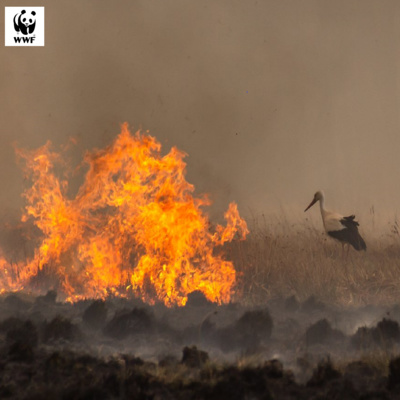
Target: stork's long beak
{"points": [[311, 204]]}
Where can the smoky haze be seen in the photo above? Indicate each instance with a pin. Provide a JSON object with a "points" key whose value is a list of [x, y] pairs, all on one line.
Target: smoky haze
{"points": [[272, 100]]}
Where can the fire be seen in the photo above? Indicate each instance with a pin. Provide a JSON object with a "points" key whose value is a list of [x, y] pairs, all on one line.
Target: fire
{"points": [[133, 226]]}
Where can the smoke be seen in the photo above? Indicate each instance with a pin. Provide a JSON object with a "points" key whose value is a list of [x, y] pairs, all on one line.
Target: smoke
{"points": [[272, 100]]}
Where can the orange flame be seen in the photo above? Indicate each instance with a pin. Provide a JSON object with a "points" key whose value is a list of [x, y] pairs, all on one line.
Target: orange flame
{"points": [[134, 225]]}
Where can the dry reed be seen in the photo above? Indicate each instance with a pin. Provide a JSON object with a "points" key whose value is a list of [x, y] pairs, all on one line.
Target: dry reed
{"points": [[282, 258]]}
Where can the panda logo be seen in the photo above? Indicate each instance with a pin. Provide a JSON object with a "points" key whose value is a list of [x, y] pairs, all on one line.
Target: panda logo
{"points": [[24, 22]]}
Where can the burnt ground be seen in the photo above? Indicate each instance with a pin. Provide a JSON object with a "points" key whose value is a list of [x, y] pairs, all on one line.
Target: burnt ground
{"points": [[125, 349]]}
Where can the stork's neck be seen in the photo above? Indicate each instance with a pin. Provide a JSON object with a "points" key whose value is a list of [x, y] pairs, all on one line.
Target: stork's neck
{"points": [[323, 211], [322, 203]]}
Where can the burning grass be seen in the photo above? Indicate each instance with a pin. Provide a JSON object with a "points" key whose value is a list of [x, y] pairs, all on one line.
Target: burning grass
{"points": [[134, 227]]}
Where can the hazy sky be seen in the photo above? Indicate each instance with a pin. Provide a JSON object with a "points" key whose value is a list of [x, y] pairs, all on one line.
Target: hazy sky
{"points": [[271, 100]]}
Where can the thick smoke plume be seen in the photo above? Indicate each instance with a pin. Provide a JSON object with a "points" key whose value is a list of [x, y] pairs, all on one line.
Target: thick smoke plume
{"points": [[272, 100]]}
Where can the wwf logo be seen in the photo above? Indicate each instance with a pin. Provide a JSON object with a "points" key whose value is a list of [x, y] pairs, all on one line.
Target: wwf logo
{"points": [[24, 22], [24, 26]]}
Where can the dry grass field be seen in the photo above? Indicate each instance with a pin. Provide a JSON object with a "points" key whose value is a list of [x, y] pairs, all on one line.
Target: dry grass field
{"points": [[281, 258]]}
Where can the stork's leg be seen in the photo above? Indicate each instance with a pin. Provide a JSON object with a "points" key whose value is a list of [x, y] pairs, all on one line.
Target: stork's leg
{"points": [[342, 251], [348, 249]]}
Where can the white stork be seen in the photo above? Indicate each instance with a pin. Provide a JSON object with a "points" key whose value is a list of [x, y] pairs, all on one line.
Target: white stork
{"points": [[343, 229]]}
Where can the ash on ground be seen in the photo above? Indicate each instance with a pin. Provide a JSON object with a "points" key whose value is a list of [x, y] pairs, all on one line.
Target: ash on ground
{"points": [[120, 349]]}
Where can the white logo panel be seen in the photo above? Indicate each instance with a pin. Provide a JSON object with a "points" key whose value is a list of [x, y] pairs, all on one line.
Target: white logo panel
{"points": [[24, 26]]}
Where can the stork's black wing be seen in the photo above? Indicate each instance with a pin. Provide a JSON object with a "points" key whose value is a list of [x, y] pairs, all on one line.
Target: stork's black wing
{"points": [[349, 221], [350, 233]]}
